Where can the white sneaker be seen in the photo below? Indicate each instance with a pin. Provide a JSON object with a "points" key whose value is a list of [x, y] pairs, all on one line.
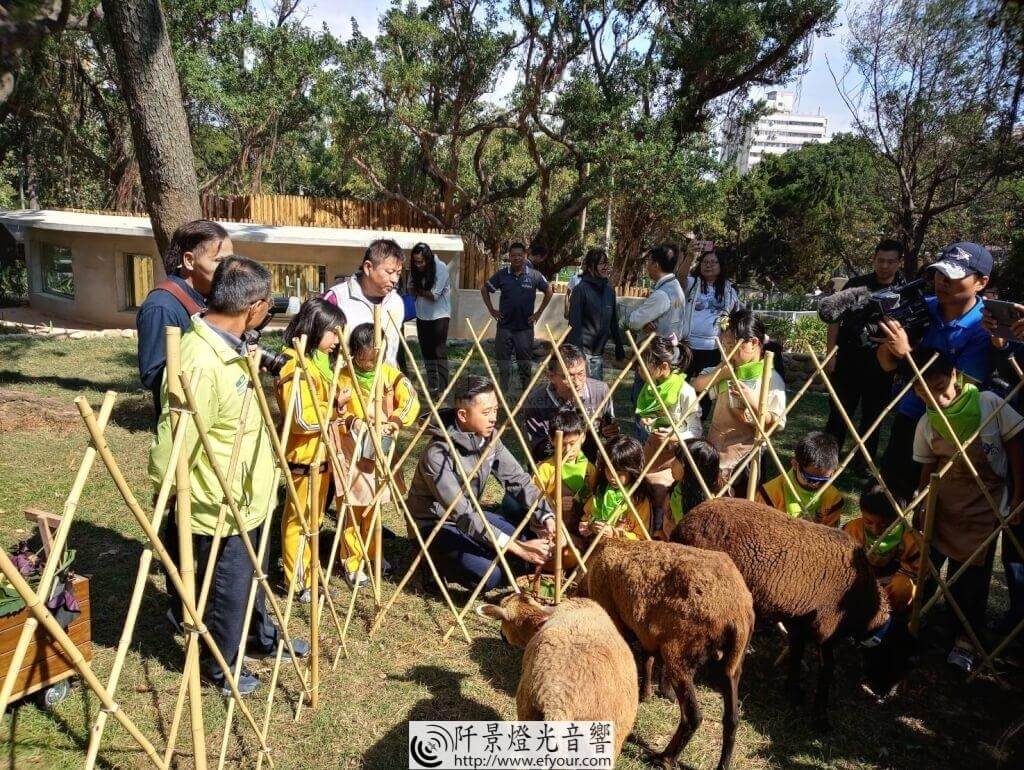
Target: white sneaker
{"points": [[305, 597], [357, 579]]}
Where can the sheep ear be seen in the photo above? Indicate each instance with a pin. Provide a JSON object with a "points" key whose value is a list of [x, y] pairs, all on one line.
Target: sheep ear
{"points": [[492, 611]]}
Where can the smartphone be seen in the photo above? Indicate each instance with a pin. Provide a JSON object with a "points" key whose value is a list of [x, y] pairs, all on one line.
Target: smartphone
{"points": [[369, 452], [1005, 314]]}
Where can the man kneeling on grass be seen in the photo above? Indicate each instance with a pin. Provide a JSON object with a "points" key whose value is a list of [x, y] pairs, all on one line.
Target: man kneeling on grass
{"points": [[462, 550]]}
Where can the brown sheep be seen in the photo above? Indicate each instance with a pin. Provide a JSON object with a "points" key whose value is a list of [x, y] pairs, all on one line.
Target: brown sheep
{"points": [[686, 606], [576, 667], [814, 579]]}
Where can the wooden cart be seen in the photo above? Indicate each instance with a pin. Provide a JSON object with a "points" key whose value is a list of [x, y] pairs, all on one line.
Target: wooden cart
{"points": [[46, 669]]}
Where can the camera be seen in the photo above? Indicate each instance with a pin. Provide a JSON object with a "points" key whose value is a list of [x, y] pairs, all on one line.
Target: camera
{"points": [[904, 303]]}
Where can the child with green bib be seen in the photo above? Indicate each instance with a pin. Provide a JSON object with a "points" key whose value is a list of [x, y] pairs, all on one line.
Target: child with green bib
{"points": [[579, 475], [607, 508], [687, 492], [964, 519]]}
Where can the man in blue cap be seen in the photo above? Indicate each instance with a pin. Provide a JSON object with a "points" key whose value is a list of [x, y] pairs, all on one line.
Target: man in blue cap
{"points": [[961, 275]]}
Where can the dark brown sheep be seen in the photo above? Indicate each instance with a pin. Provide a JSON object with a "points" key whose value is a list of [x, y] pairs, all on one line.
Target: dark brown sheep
{"points": [[688, 607], [814, 579]]}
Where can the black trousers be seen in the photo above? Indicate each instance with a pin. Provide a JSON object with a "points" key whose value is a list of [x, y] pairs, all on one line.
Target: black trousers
{"points": [[859, 381], [899, 470], [229, 593], [702, 359], [434, 344], [970, 591]]}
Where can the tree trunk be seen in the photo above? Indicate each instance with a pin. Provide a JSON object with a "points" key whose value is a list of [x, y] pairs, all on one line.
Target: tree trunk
{"points": [[138, 33]]}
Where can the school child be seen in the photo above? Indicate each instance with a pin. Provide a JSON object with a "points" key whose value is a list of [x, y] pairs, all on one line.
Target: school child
{"points": [[687, 492], [733, 430], [400, 406], [607, 508], [963, 517], [814, 463], [894, 558], [579, 475], [667, 362], [317, 320]]}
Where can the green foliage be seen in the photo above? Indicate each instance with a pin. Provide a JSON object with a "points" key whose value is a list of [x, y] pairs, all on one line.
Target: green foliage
{"points": [[795, 334]]}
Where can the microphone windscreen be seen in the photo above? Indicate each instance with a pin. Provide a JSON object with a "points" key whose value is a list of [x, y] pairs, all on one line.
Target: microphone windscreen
{"points": [[831, 309]]}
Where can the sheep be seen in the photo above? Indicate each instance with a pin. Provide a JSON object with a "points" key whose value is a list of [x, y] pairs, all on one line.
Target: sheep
{"points": [[812, 578], [576, 667], [686, 606]]}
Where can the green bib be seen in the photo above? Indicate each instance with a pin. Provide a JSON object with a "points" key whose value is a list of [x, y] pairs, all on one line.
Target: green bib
{"points": [[647, 404], [574, 475], [322, 362], [365, 379], [795, 506], [964, 414], [675, 504], [751, 372], [608, 506], [887, 543]]}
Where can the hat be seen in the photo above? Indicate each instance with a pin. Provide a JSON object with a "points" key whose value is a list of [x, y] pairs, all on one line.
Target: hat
{"points": [[960, 259]]}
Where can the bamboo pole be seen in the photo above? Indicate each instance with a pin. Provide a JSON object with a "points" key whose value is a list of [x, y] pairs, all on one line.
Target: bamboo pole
{"points": [[378, 421], [922, 567], [172, 570], [314, 580], [138, 590], [42, 615], [186, 560], [60, 538], [762, 406], [559, 515]]}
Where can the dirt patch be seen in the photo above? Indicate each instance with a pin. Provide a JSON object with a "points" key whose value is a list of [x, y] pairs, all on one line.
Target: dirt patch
{"points": [[26, 412]]}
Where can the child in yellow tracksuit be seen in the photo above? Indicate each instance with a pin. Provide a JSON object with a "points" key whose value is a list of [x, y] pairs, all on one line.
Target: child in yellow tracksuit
{"points": [[895, 558], [815, 460], [400, 406], [316, 319], [607, 509]]}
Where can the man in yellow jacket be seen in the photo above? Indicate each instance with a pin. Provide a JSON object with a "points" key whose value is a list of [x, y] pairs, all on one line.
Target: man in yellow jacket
{"points": [[213, 356]]}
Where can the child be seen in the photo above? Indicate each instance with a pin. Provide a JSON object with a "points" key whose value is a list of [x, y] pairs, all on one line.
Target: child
{"points": [[814, 463], [316, 319], [687, 492], [894, 558], [579, 475], [400, 406], [733, 429], [608, 508], [963, 517]]}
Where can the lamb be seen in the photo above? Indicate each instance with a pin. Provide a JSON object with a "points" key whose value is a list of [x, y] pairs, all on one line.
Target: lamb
{"points": [[812, 578], [687, 606], [576, 665]]}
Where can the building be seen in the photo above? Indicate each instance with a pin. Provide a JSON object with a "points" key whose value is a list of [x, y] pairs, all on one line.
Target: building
{"points": [[781, 130]]}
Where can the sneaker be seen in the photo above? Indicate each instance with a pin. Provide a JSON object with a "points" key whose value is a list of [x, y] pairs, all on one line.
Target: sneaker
{"points": [[961, 658], [357, 579], [305, 597], [247, 684], [176, 624], [301, 651]]}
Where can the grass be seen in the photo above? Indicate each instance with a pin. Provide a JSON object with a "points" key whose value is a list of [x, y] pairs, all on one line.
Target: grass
{"points": [[404, 672]]}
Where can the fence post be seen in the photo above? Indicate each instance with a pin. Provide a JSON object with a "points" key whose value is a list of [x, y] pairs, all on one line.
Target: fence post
{"points": [[926, 546]]}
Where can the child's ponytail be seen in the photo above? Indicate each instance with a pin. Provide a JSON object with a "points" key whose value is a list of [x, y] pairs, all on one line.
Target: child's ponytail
{"points": [[668, 350]]}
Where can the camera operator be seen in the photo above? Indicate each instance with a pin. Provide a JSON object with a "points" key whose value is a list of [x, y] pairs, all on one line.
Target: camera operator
{"points": [[956, 329], [214, 346], [855, 372]]}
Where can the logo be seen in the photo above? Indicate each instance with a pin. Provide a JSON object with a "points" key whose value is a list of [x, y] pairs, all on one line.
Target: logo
{"points": [[958, 255], [425, 749]]}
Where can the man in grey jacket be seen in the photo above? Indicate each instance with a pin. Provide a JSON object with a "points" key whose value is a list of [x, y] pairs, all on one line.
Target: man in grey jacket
{"points": [[462, 551]]}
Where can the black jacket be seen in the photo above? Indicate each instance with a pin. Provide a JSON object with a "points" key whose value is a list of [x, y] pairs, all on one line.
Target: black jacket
{"points": [[593, 316]]}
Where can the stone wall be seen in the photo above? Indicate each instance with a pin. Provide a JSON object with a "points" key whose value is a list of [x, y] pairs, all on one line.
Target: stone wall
{"points": [[799, 367]]}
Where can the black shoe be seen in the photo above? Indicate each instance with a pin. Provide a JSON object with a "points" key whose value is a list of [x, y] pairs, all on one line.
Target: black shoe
{"points": [[247, 683]]}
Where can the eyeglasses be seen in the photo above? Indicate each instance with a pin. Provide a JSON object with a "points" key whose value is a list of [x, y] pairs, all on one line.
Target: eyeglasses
{"points": [[811, 479]]}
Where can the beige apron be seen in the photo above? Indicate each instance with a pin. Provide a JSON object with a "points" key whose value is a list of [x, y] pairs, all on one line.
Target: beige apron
{"points": [[963, 517], [362, 480]]}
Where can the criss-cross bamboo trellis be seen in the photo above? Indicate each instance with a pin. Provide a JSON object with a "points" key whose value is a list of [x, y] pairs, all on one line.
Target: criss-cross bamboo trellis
{"points": [[390, 477]]}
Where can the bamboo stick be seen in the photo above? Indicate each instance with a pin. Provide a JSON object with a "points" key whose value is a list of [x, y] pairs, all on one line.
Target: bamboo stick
{"points": [[922, 567], [60, 538], [559, 514], [378, 417], [186, 563], [762, 406], [314, 568]]}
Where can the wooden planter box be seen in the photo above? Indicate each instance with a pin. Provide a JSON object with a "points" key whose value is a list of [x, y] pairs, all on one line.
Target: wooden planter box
{"points": [[45, 663]]}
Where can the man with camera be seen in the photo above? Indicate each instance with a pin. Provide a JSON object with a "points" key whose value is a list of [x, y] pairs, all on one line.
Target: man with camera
{"points": [[214, 349], [955, 328], [855, 372], [195, 250]]}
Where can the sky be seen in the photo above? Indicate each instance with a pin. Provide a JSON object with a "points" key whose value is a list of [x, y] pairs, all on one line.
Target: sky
{"points": [[818, 91]]}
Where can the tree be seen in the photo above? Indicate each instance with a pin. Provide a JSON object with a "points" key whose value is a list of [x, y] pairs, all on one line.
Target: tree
{"points": [[937, 92], [149, 82]]}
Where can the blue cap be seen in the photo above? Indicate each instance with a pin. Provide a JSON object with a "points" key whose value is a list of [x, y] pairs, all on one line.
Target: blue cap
{"points": [[958, 260]]}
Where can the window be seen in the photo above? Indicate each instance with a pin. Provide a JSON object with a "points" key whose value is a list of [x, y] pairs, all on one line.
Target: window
{"points": [[296, 280], [58, 277], [138, 279]]}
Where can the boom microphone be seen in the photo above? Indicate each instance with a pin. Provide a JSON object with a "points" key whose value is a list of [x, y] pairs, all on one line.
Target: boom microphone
{"points": [[833, 308]]}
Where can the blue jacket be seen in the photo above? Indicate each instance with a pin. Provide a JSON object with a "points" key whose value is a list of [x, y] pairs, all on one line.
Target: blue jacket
{"points": [[159, 310]]}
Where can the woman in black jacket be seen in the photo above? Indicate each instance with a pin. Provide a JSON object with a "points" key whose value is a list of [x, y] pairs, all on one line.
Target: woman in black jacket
{"points": [[593, 316]]}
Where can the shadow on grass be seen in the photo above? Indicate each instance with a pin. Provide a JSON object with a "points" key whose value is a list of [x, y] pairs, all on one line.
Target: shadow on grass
{"points": [[500, 663], [445, 702]]}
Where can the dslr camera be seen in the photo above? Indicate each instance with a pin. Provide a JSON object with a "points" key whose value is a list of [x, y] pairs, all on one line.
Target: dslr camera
{"points": [[271, 362], [865, 309]]}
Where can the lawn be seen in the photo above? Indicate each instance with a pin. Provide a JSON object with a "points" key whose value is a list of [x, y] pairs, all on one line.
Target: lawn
{"points": [[405, 672]]}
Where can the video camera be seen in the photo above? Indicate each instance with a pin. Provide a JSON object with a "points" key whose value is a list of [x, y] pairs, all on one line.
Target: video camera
{"points": [[904, 304], [269, 361]]}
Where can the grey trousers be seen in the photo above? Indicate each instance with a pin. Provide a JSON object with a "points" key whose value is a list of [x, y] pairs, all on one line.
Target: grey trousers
{"points": [[520, 344]]}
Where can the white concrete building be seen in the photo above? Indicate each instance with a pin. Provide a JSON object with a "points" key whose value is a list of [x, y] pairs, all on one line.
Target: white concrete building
{"points": [[780, 131]]}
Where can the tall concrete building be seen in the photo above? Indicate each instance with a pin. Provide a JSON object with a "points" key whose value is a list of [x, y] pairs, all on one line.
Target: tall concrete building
{"points": [[781, 130]]}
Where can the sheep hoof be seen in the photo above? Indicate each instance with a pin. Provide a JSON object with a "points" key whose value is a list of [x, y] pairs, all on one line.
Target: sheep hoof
{"points": [[646, 692]]}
